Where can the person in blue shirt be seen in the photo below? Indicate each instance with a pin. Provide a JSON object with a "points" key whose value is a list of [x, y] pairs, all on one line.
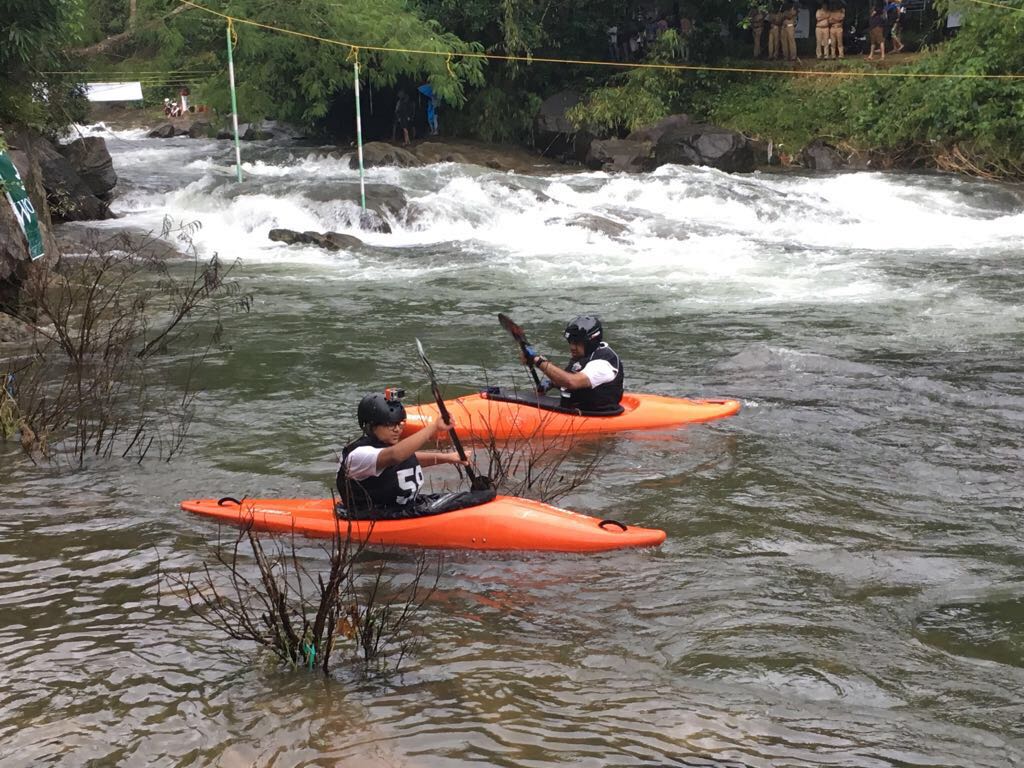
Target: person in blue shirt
{"points": [[428, 91]]}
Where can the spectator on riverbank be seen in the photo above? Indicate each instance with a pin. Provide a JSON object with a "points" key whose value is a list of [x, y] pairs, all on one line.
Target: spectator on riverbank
{"points": [[405, 113], [821, 32], [613, 42], [876, 31], [836, 20], [757, 18], [789, 14], [428, 92], [894, 11], [775, 34], [685, 34]]}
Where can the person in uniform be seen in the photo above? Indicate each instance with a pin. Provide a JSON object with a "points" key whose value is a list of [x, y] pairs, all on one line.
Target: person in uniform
{"points": [[821, 37], [789, 31], [836, 20], [775, 34], [380, 474], [592, 381], [757, 18]]}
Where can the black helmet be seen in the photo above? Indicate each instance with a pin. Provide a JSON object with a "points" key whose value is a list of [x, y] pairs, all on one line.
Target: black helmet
{"points": [[380, 409], [585, 329]]}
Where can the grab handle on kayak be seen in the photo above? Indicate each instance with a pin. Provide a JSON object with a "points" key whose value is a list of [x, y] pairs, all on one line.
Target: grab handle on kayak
{"points": [[603, 523], [232, 499]]}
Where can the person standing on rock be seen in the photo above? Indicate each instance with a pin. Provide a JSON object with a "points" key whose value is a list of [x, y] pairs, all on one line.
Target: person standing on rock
{"points": [[404, 113], [428, 91]]}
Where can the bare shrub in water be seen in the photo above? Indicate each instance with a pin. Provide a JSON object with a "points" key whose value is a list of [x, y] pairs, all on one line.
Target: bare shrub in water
{"points": [[101, 319], [303, 617]]}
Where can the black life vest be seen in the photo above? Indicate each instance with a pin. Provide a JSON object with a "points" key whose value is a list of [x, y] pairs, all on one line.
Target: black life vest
{"points": [[394, 487], [598, 399]]}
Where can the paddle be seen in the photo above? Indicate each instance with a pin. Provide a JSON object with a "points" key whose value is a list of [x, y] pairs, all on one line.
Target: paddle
{"points": [[476, 482], [517, 333]]}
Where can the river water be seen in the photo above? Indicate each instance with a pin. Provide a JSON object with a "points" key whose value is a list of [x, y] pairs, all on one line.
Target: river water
{"points": [[842, 580]]}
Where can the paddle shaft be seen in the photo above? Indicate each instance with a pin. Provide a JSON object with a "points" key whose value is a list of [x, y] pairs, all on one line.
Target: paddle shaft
{"points": [[476, 482], [517, 333]]}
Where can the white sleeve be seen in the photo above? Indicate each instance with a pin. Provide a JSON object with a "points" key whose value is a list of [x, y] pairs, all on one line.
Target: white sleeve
{"points": [[599, 372], [362, 462]]}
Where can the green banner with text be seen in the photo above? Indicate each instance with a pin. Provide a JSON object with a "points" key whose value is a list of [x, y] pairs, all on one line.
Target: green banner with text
{"points": [[24, 211]]}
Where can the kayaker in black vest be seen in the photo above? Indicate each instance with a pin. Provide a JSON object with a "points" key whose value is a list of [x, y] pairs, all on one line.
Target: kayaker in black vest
{"points": [[592, 381], [380, 475]]}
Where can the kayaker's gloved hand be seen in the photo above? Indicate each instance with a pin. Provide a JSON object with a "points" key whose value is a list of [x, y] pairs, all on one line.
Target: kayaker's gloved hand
{"points": [[527, 354], [545, 385]]}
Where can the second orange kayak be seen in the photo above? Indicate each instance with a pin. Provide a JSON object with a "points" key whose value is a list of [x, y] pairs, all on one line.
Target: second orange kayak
{"points": [[483, 415]]}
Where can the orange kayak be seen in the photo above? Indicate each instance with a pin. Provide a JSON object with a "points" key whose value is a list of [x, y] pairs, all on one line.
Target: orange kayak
{"points": [[482, 416], [508, 523]]}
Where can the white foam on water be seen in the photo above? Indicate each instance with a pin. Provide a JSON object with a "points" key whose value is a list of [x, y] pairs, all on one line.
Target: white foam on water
{"points": [[752, 239]]}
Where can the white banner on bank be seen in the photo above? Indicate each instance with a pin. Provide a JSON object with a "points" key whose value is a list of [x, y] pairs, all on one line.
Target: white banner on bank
{"points": [[113, 91]]}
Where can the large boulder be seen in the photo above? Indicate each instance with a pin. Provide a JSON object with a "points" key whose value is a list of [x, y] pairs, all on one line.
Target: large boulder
{"points": [[621, 155], [434, 152], [709, 145], [378, 153], [90, 158], [332, 241], [554, 135], [820, 156], [655, 131], [70, 198], [162, 131]]}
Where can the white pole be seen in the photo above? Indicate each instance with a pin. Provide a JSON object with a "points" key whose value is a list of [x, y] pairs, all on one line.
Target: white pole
{"points": [[359, 137]]}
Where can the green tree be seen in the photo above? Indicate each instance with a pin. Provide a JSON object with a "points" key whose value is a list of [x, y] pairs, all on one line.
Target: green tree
{"points": [[37, 35]]}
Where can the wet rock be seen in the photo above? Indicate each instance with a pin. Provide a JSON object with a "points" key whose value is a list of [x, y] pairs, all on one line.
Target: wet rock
{"points": [[69, 197], [820, 156], [554, 134], [621, 155], [433, 152], [90, 158], [377, 153], [655, 131], [162, 131], [708, 145], [201, 129], [79, 240], [14, 331], [332, 241], [597, 224]]}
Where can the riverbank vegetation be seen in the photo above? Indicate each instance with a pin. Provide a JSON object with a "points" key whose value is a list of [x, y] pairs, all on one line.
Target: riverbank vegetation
{"points": [[87, 382], [909, 110]]}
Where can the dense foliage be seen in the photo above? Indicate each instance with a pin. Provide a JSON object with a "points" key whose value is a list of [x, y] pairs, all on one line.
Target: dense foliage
{"points": [[301, 79], [36, 36]]}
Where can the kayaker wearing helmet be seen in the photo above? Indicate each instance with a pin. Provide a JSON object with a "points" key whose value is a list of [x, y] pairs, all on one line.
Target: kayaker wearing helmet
{"points": [[592, 381], [380, 475]]}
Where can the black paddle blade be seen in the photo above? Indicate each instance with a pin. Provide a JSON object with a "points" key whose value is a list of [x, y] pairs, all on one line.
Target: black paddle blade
{"points": [[517, 333], [476, 482], [512, 327]]}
